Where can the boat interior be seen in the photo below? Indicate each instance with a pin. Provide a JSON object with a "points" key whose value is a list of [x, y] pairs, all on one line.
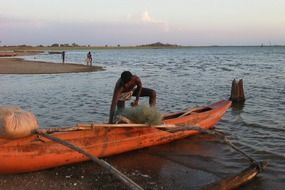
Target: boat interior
{"points": [[186, 112]]}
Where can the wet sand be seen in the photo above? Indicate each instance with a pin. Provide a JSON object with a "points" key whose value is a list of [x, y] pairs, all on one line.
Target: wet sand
{"points": [[83, 176], [20, 66]]}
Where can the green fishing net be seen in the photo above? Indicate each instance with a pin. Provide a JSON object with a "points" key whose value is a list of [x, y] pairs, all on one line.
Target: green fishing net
{"points": [[142, 114]]}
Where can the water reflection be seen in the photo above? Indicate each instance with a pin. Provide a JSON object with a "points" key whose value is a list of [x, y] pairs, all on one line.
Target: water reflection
{"points": [[238, 106]]}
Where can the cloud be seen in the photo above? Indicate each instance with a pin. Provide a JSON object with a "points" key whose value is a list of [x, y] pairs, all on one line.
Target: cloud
{"points": [[146, 20], [136, 29], [34, 32]]}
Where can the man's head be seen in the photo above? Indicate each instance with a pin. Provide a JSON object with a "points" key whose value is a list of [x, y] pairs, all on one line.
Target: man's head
{"points": [[126, 76]]}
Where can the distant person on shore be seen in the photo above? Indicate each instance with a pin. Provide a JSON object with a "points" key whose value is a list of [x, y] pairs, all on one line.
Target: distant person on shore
{"points": [[129, 85], [63, 56], [89, 59]]}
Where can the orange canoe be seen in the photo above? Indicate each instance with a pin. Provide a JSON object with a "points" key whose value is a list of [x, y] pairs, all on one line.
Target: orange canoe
{"points": [[37, 153]]}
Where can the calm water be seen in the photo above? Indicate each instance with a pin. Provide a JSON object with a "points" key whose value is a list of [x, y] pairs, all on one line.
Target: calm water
{"points": [[182, 78]]}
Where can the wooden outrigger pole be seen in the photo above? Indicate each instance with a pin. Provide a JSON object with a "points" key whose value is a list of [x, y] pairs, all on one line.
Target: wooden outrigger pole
{"points": [[123, 178], [232, 182], [236, 180]]}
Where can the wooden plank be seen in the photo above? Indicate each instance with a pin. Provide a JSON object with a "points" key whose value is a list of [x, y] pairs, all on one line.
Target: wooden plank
{"points": [[190, 111], [239, 179], [89, 126]]}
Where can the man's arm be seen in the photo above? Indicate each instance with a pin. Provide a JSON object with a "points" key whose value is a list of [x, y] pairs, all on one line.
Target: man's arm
{"points": [[139, 87], [117, 92]]}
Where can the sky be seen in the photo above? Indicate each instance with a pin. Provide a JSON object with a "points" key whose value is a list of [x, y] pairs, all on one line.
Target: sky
{"points": [[134, 22]]}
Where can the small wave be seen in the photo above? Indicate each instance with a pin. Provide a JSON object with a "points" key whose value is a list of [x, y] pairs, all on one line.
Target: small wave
{"points": [[260, 126], [259, 150], [226, 69], [267, 67]]}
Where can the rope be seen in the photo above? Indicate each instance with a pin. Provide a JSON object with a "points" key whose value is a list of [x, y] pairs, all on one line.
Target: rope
{"points": [[216, 133]]}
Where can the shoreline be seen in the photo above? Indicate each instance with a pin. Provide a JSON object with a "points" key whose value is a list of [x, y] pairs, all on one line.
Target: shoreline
{"points": [[12, 65]]}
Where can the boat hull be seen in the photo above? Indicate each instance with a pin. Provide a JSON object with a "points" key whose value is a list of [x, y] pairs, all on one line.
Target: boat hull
{"points": [[37, 153]]}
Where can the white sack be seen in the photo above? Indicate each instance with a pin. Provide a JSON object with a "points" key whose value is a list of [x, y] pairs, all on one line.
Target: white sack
{"points": [[16, 123]]}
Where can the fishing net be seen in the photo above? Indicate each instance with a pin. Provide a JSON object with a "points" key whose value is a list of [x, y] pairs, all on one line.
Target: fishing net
{"points": [[142, 114]]}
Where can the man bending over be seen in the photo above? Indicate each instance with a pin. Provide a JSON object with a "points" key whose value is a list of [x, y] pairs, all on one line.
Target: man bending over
{"points": [[129, 85]]}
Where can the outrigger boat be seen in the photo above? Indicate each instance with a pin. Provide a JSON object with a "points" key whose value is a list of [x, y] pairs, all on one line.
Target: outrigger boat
{"points": [[35, 153]]}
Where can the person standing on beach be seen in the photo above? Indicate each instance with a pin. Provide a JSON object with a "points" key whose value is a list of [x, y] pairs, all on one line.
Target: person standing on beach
{"points": [[63, 57], [129, 85], [89, 59]]}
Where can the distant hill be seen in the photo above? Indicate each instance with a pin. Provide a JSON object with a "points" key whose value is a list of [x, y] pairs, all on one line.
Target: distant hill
{"points": [[158, 45]]}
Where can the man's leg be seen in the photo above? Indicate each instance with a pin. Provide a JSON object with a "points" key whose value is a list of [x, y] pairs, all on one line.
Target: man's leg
{"points": [[147, 92], [121, 105]]}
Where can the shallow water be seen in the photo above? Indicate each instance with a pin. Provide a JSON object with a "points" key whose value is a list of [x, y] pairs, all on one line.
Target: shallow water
{"points": [[183, 78]]}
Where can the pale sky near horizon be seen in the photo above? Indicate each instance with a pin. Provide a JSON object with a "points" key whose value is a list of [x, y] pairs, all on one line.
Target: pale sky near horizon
{"points": [[132, 22]]}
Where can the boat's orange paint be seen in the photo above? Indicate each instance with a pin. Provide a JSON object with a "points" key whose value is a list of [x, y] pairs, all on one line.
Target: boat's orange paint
{"points": [[33, 153]]}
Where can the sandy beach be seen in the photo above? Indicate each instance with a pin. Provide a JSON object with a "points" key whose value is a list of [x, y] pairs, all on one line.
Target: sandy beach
{"points": [[77, 177], [21, 66]]}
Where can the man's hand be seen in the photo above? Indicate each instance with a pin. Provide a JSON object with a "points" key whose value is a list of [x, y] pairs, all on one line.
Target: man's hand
{"points": [[135, 103]]}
